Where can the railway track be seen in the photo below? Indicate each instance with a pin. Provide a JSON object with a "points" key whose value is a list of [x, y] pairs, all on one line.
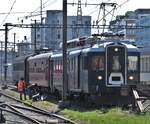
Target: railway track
{"points": [[142, 101], [16, 111]]}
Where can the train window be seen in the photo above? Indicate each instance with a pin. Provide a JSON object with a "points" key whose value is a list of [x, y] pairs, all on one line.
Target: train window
{"points": [[132, 63], [81, 63], [57, 66], [141, 64], [61, 66], [116, 63], [145, 64], [75, 63], [98, 63], [72, 64], [76, 66], [85, 62], [54, 65], [35, 64], [148, 64]]}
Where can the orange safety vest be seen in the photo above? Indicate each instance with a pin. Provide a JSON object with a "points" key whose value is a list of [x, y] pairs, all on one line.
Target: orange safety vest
{"points": [[21, 85]]}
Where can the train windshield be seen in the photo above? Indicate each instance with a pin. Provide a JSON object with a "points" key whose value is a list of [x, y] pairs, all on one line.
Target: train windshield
{"points": [[132, 63], [98, 63], [116, 66]]}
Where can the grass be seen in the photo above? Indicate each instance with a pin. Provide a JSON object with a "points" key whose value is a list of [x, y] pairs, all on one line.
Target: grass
{"points": [[113, 116], [47, 105], [12, 93]]}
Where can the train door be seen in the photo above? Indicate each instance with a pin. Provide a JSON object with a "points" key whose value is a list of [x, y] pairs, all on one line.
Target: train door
{"points": [[51, 71], [73, 73], [26, 70], [115, 65], [77, 72]]}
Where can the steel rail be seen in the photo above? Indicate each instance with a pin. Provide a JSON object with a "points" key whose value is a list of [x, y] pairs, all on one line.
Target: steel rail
{"points": [[21, 115], [65, 120]]}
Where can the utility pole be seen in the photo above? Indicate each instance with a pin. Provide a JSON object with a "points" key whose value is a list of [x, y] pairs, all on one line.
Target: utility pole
{"points": [[79, 18], [104, 20], [2, 53], [5, 61], [35, 36], [41, 23], [103, 8], [14, 52], [41, 10], [65, 82], [1, 59], [14, 42]]}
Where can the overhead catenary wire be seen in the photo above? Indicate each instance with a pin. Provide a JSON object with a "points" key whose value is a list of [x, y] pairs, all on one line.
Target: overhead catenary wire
{"points": [[8, 13], [4, 13], [95, 9], [72, 26], [112, 10], [36, 12]]}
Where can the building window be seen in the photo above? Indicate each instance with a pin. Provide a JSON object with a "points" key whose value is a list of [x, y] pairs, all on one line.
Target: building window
{"points": [[38, 36], [58, 36], [73, 22], [38, 29]]}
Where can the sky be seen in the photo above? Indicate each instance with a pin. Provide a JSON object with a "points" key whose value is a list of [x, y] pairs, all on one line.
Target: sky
{"points": [[9, 7]]}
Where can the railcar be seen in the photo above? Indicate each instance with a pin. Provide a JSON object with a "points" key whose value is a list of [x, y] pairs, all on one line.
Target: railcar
{"points": [[39, 70], [20, 68], [145, 66], [102, 71], [105, 72]]}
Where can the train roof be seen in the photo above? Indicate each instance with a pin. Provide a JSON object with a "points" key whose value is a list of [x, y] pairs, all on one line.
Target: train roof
{"points": [[145, 51], [94, 48], [21, 58], [42, 55], [130, 47], [99, 47], [75, 52], [56, 55]]}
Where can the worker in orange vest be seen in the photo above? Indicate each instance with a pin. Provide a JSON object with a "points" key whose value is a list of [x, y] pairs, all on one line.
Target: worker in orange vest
{"points": [[21, 88]]}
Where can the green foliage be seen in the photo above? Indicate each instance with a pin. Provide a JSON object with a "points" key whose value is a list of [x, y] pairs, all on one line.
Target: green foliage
{"points": [[28, 101], [112, 116], [101, 116]]}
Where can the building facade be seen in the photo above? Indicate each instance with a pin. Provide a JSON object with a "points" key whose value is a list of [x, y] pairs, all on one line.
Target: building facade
{"points": [[136, 19], [37, 36], [121, 24], [52, 35], [143, 21], [24, 48], [10, 56], [143, 33]]}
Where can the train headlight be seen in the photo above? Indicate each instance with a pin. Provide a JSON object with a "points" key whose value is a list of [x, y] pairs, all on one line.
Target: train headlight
{"points": [[99, 77], [116, 49], [131, 77]]}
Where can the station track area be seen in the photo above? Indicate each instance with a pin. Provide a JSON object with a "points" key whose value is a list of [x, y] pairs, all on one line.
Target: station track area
{"points": [[26, 113], [15, 111]]}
